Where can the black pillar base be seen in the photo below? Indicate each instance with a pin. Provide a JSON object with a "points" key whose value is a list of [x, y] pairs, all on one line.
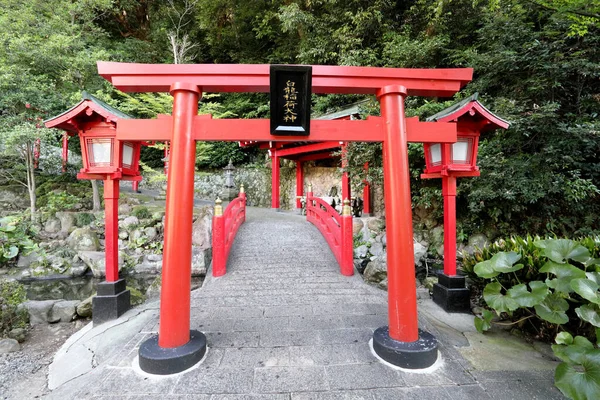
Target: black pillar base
{"points": [[276, 209], [111, 301], [411, 355], [166, 361], [451, 294]]}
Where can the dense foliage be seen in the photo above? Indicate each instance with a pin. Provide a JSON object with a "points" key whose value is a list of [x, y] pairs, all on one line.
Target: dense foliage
{"points": [[536, 64], [550, 287]]}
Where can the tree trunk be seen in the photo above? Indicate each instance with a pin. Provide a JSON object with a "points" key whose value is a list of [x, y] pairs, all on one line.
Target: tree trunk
{"points": [[30, 180], [95, 196]]}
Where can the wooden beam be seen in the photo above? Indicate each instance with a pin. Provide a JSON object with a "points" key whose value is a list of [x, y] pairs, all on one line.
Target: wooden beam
{"points": [[207, 129], [131, 77]]}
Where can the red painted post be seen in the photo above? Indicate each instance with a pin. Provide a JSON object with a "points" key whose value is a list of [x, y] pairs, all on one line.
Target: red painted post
{"points": [[366, 194], [218, 240], [347, 265], [174, 327], [274, 179], [299, 184], [402, 289], [449, 193], [65, 152], [135, 186], [111, 222], [243, 196], [166, 162], [346, 193]]}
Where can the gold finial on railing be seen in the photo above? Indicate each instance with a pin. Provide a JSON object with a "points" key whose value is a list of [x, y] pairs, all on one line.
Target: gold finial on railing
{"points": [[242, 188], [346, 209], [218, 207], [310, 187]]}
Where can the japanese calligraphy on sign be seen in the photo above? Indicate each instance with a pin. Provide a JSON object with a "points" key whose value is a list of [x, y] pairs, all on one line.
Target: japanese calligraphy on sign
{"points": [[290, 99]]}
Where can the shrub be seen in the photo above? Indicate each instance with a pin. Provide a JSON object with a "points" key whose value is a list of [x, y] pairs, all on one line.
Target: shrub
{"points": [[566, 302], [15, 238], [11, 316], [141, 212], [84, 219]]}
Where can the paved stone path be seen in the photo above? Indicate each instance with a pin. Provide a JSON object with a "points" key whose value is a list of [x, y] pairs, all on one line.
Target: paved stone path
{"points": [[283, 323]]}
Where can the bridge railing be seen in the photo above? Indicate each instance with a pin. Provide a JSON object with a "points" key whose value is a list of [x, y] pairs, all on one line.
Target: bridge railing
{"points": [[336, 229], [225, 226]]}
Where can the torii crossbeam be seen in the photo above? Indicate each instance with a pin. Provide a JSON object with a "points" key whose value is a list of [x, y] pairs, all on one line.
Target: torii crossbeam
{"points": [[401, 343]]}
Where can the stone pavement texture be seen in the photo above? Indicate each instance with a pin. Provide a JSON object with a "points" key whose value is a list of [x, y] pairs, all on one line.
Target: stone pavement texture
{"points": [[283, 323]]}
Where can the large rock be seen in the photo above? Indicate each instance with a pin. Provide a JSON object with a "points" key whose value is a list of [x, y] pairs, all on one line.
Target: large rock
{"points": [[67, 221], [65, 311], [84, 309], [437, 239], [19, 334], [478, 241], [130, 221], [202, 229], [151, 233], [357, 226], [96, 261], [53, 225], [153, 290], [376, 249], [375, 225], [361, 251], [376, 271], [200, 260], [25, 261], [9, 346], [40, 311], [83, 239], [420, 251]]}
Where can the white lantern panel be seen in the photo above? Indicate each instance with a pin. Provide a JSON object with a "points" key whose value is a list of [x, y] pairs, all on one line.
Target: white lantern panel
{"points": [[101, 152], [435, 151], [460, 151], [127, 155]]}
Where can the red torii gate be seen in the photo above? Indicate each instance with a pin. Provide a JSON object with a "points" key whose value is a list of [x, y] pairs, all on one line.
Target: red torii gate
{"points": [[176, 348]]}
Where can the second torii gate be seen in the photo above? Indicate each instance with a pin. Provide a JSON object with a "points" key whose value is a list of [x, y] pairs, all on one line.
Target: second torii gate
{"points": [[176, 348]]}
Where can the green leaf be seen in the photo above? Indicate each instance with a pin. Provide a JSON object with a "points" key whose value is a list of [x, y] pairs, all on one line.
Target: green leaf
{"points": [[11, 253], [589, 313], [504, 262], [484, 323], [587, 289], [498, 301], [580, 385], [593, 276], [524, 298], [564, 338], [552, 309], [565, 274], [485, 270], [561, 250]]}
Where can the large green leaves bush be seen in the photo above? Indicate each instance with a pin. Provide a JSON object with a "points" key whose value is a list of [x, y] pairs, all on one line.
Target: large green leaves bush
{"points": [[15, 239], [561, 295]]}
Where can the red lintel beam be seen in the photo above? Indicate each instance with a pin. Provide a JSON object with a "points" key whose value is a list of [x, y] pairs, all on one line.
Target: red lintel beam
{"points": [[316, 156], [131, 77], [207, 129], [309, 148]]}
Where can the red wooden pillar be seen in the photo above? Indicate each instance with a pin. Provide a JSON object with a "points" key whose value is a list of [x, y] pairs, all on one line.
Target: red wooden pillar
{"points": [[135, 186], [166, 162], [299, 184], [218, 240], [449, 193], [65, 151], [402, 289], [111, 222], [347, 264], [346, 192], [366, 194], [274, 180], [174, 328], [401, 343]]}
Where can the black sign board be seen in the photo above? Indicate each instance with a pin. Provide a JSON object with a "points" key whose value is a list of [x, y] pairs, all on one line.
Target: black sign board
{"points": [[291, 87]]}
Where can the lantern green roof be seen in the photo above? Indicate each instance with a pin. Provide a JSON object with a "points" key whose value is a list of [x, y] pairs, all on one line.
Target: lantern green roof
{"points": [[118, 113], [462, 107]]}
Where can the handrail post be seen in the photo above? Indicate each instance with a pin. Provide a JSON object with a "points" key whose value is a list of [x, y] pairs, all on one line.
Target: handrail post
{"points": [[218, 240], [309, 201], [347, 264], [243, 196]]}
